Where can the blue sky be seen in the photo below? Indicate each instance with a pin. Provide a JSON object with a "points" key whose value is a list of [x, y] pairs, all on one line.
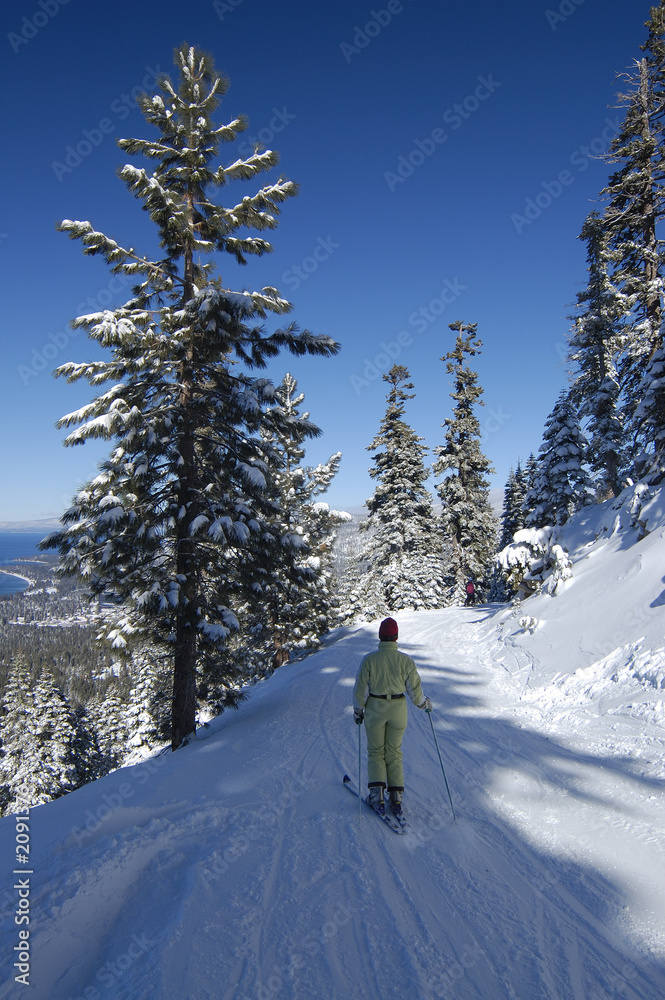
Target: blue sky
{"points": [[447, 155]]}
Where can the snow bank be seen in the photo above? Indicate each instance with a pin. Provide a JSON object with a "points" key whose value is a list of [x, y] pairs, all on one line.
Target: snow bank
{"points": [[629, 681], [613, 597]]}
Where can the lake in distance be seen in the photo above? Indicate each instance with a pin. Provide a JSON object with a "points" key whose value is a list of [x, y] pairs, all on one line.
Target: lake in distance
{"points": [[17, 545]]}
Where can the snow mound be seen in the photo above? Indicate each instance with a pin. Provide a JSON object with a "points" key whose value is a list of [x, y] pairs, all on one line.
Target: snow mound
{"points": [[629, 680], [613, 594]]}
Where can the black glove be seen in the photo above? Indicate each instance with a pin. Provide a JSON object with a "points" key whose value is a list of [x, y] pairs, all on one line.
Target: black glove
{"points": [[358, 716]]}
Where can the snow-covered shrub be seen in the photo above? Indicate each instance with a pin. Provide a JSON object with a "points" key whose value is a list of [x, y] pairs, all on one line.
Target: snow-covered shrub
{"points": [[640, 495], [534, 561]]}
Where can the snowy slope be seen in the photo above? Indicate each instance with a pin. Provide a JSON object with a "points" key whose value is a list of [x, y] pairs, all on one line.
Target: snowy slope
{"points": [[239, 867]]}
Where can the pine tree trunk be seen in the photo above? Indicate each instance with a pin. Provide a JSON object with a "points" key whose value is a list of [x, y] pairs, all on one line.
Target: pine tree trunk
{"points": [[281, 655], [183, 711]]}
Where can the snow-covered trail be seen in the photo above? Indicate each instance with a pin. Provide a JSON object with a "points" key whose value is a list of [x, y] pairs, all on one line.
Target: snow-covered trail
{"points": [[238, 868]]}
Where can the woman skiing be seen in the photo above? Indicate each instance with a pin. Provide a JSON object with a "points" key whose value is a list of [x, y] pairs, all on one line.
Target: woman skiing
{"points": [[383, 680]]}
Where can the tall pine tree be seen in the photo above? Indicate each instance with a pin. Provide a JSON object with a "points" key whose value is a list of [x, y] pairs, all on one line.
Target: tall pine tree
{"points": [[512, 514], [184, 491], [561, 483], [467, 517], [635, 207], [297, 606], [595, 344], [402, 557], [530, 492], [108, 715]]}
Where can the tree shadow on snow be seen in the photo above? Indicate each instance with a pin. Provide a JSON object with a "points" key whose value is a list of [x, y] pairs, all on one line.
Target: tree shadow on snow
{"points": [[660, 600], [505, 778]]}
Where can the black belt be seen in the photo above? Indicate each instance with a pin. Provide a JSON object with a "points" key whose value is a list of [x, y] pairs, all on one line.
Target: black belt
{"points": [[386, 696]]}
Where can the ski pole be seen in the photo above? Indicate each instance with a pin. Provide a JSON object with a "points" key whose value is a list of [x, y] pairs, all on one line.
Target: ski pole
{"points": [[360, 805], [436, 744]]}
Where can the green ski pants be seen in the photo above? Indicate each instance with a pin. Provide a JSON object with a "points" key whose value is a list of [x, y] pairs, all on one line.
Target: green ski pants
{"points": [[385, 724]]}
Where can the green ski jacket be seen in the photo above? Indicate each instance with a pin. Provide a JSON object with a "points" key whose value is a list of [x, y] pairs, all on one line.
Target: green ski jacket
{"points": [[387, 672]]}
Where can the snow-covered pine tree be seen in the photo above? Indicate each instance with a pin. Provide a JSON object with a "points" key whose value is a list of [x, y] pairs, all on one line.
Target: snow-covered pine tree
{"points": [[512, 515], [144, 716], [596, 343], [530, 495], [635, 207], [294, 602], [402, 557], [108, 716], [298, 606], [183, 492], [649, 404], [89, 759], [634, 204], [650, 416], [54, 731], [17, 761], [512, 520], [562, 484], [467, 518], [349, 567], [39, 740]]}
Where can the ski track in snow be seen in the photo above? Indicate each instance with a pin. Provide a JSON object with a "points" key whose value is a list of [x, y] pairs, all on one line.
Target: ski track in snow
{"points": [[239, 867]]}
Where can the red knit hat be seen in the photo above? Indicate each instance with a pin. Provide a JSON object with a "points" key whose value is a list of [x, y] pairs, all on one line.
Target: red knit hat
{"points": [[388, 629]]}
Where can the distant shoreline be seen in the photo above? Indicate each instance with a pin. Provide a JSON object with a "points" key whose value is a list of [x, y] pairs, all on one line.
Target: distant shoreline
{"points": [[29, 527], [17, 576]]}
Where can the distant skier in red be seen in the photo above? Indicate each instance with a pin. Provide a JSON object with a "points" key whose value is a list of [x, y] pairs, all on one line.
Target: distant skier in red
{"points": [[470, 594]]}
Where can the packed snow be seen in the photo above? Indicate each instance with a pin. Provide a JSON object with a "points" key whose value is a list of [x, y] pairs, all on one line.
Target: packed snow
{"points": [[239, 867]]}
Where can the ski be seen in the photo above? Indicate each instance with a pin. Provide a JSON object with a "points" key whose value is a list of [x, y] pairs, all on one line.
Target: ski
{"points": [[399, 826], [401, 822]]}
